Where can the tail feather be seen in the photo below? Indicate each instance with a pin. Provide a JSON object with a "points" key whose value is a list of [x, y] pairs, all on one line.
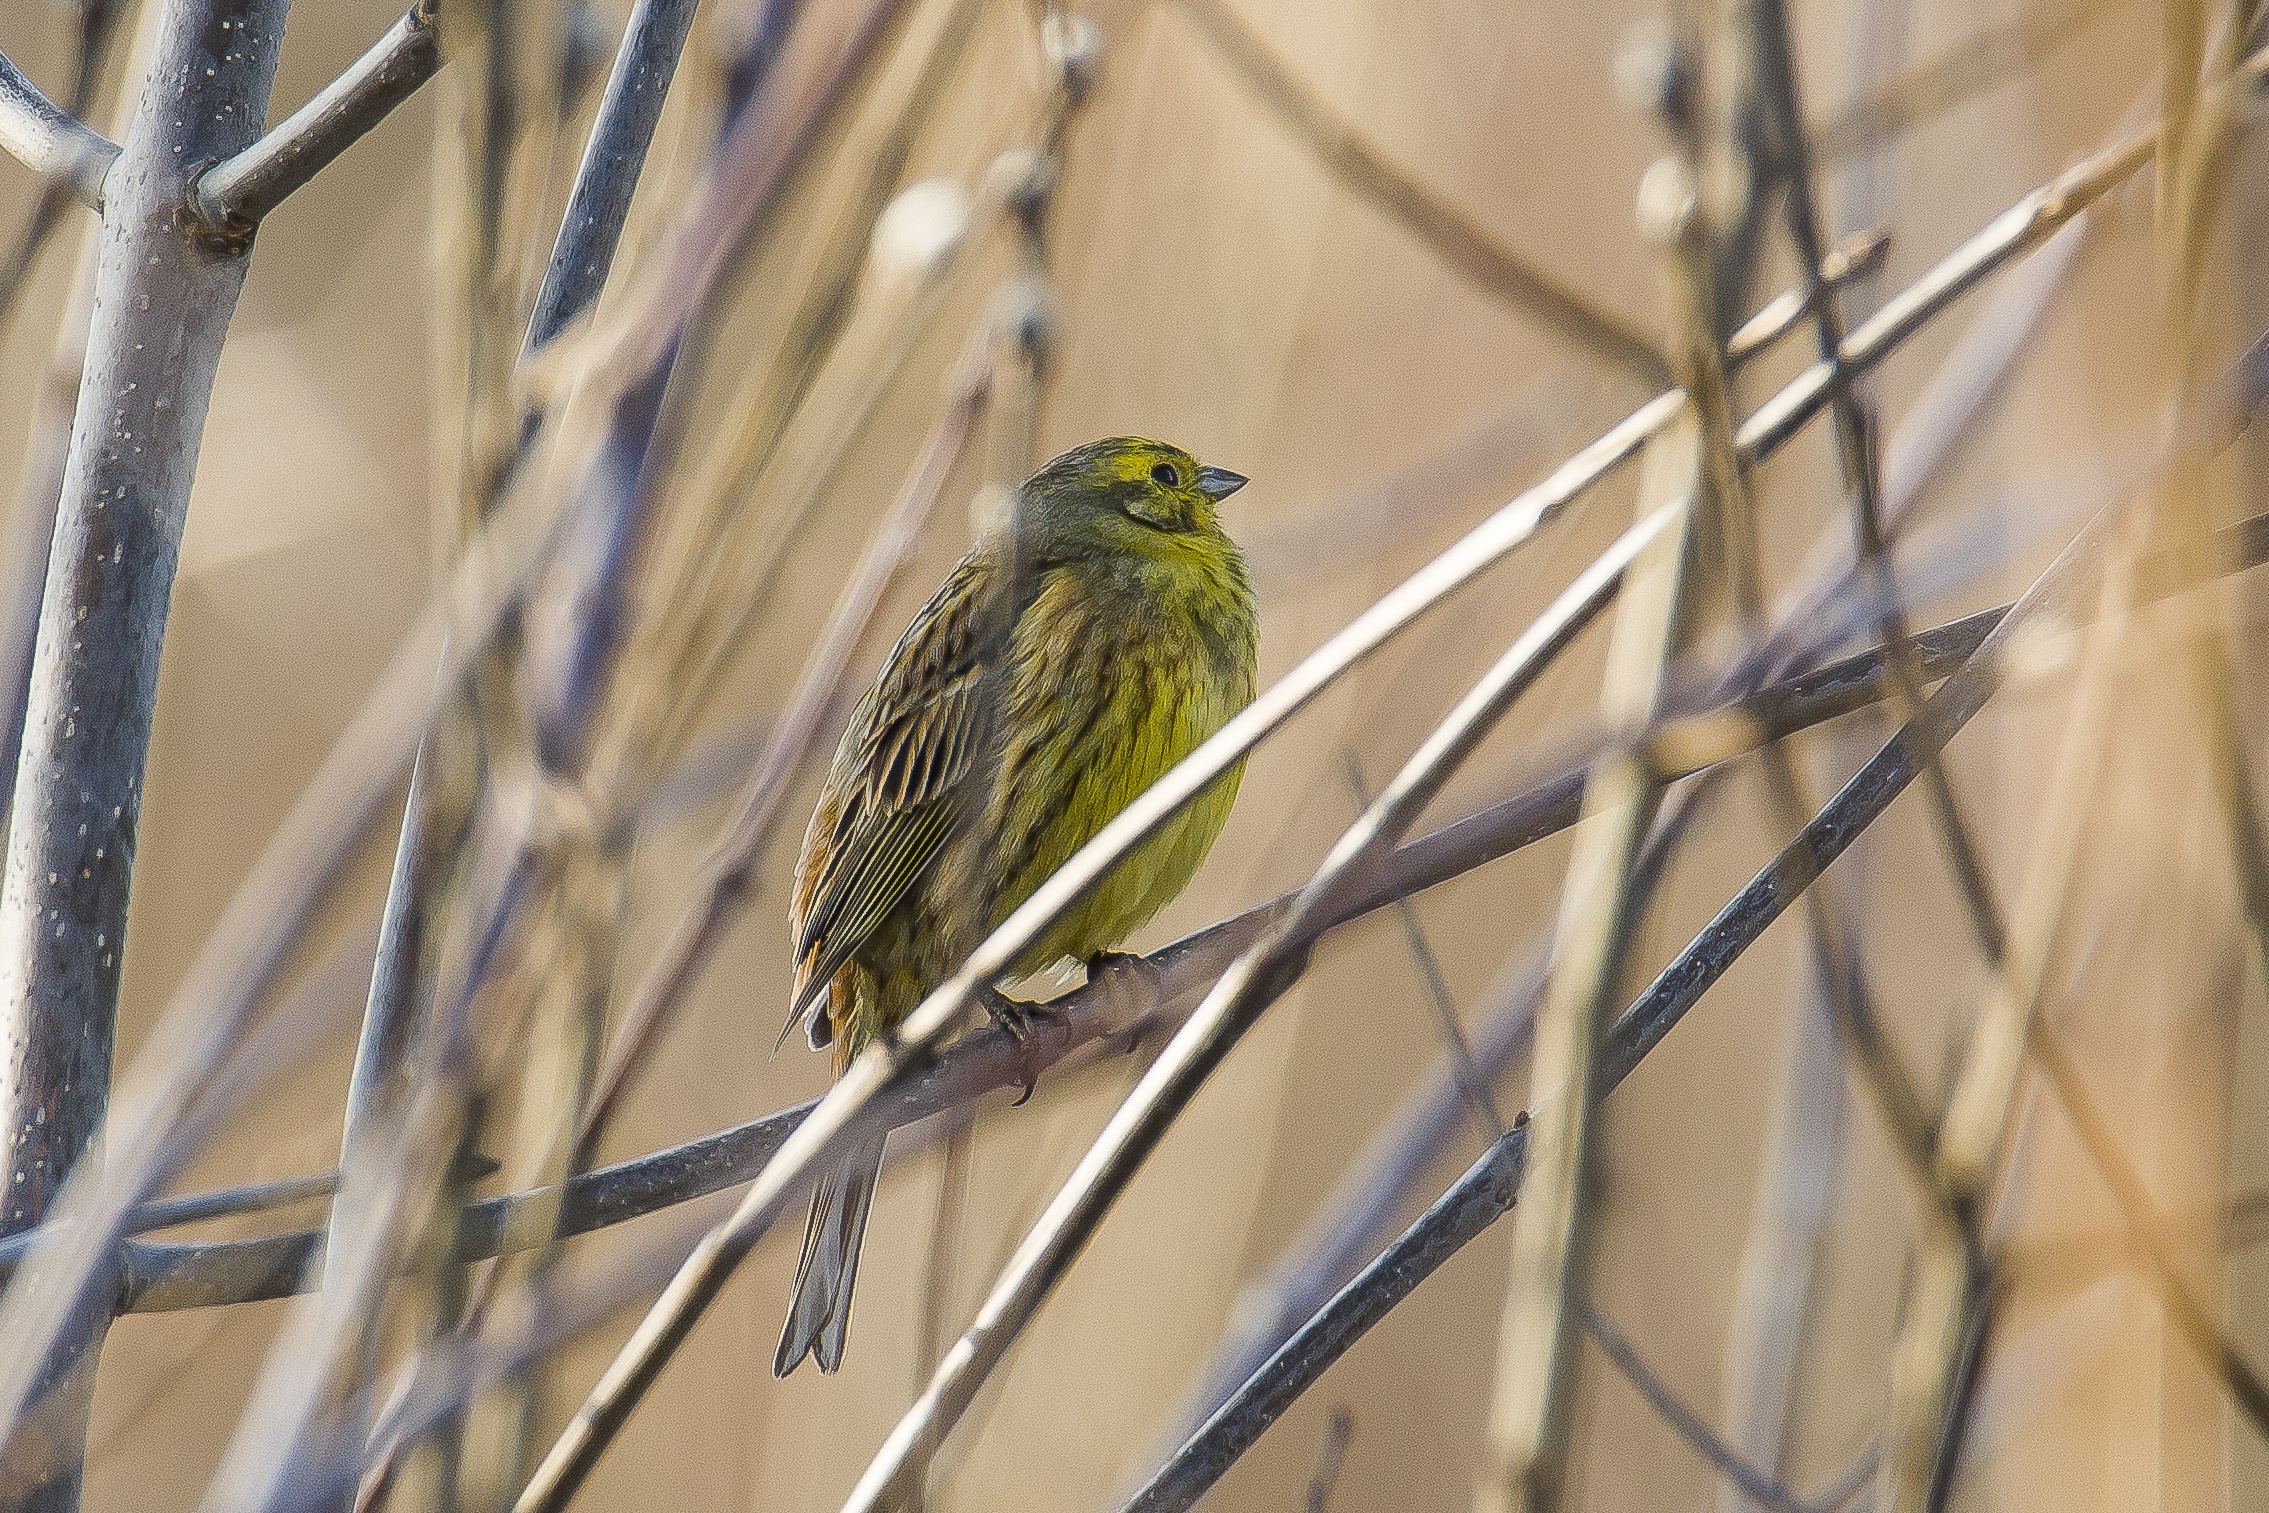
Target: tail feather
{"points": [[819, 1310]]}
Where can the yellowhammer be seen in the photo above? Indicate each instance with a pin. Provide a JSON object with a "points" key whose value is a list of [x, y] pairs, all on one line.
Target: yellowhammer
{"points": [[1095, 636]]}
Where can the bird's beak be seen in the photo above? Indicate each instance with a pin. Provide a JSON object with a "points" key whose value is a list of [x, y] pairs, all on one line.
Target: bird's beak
{"points": [[1218, 484]]}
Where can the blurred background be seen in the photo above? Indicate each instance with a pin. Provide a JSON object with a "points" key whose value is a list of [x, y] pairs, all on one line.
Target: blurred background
{"points": [[1208, 277]]}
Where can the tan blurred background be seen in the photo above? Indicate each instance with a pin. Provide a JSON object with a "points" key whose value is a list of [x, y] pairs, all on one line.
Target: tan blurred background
{"points": [[1219, 289]]}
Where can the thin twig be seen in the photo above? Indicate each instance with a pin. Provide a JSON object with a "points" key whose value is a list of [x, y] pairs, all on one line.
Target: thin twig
{"points": [[614, 155], [97, 23], [49, 140], [941, 1273], [1681, 1416], [235, 194], [1335, 142], [1472, 1083], [1331, 1460], [1980, 61]]}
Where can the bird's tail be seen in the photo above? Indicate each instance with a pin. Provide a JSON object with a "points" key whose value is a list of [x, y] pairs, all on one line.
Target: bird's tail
{"points": [[819, 1309]]}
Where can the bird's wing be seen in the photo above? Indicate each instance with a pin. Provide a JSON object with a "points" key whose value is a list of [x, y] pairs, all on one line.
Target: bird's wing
{"points": [[897, 778]]}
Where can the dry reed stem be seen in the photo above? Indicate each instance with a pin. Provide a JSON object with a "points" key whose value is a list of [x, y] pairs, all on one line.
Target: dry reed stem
{"points": [[1595, 926]]}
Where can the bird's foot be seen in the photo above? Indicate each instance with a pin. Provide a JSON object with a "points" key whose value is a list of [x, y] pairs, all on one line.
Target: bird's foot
{"points": [[1020, 1020], [1134, 983]]}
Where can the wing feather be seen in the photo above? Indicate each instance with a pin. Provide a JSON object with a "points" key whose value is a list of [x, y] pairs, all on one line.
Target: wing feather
{"points": [[896, 783]]}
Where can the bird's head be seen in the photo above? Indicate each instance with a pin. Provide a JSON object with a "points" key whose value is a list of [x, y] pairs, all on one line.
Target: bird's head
{"points": [[1134, 492]]}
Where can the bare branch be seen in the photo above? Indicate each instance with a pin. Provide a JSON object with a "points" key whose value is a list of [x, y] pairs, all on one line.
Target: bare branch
{"points": [[1684, 1421], [613, 157], [1476, 1201], [49, 140], [232, 196], [216, 1002], [1977, 63], [39, 492], [97, 24]]}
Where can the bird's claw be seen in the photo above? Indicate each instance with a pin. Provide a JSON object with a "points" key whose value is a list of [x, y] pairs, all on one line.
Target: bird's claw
{"points": [[1020, 1020]]}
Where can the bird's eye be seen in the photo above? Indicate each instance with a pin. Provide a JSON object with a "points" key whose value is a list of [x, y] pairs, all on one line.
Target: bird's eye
{"points": [[1165, 476]]}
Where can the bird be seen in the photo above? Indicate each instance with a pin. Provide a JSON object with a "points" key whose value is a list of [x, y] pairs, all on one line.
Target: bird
{"points": [[1097, 632]]}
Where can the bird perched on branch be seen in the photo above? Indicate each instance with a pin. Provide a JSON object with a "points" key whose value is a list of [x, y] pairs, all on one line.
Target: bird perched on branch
{"points": [[1094, 637]]}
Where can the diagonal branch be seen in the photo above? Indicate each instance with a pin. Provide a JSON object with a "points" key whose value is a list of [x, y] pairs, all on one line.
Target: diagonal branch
{"points": [[1691, 1427], [233, 195], [1372, 1189], [1978, 62], [97, 25], [1594, 931], [49, 140], [613, 157]]}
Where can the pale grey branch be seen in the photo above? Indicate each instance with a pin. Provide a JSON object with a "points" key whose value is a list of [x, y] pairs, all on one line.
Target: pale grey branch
{"points": [[49, 140]]}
